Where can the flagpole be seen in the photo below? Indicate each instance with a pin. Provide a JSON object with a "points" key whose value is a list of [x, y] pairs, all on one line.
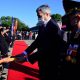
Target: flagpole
{"points": [[12, 26], [12, 31]]}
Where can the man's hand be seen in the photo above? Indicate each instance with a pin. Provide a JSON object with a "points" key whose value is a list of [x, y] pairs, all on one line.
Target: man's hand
{"points": [[7, 60], [17, 58], [21, 58], [68, 58]]}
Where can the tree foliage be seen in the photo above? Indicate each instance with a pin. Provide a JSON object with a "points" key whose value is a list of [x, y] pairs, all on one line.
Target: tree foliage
{"points": [[6, 21], [57, 17]]}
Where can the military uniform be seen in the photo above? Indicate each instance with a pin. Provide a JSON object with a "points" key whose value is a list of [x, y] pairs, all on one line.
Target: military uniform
{"points": [[70, 19]]}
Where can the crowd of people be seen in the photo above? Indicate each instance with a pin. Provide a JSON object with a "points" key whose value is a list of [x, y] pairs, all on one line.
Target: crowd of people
{"points": [[58, 50], [26, 35], [7, 41]]}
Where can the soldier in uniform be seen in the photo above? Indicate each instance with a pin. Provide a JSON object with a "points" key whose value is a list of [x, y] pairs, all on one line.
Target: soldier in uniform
{"points": [[72, 22]]}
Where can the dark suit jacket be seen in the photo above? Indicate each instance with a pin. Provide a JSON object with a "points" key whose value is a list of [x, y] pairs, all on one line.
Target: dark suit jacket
{"points": [[3, 45], [50, 47]]}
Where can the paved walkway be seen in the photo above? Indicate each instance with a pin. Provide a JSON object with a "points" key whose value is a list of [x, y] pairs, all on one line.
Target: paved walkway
{"points": [[5, 70]]}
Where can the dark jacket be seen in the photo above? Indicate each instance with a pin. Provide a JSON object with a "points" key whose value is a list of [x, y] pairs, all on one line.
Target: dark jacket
{"points": [[50, 47], [3, 45]]}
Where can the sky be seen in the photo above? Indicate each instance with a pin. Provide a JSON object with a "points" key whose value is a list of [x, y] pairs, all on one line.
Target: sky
{"points": [[25, 10]]}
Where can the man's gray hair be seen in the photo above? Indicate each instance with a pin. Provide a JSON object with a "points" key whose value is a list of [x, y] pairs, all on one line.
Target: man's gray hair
{"points": [[44, 9]]}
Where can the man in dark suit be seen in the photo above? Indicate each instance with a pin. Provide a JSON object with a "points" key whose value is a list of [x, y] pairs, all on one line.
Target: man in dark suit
{"points": [[49, 44]]}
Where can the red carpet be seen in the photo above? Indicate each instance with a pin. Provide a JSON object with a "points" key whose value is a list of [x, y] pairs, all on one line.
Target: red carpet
{"points": [[22, 71]]}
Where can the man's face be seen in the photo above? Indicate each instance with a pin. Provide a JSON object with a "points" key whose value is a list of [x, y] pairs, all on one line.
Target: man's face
{"points": [[41, 15], [74, 19]]}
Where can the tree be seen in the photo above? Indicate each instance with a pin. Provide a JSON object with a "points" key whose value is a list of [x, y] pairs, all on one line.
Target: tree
{"points": [[22, 26], [6, 21], [57, 17]]}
